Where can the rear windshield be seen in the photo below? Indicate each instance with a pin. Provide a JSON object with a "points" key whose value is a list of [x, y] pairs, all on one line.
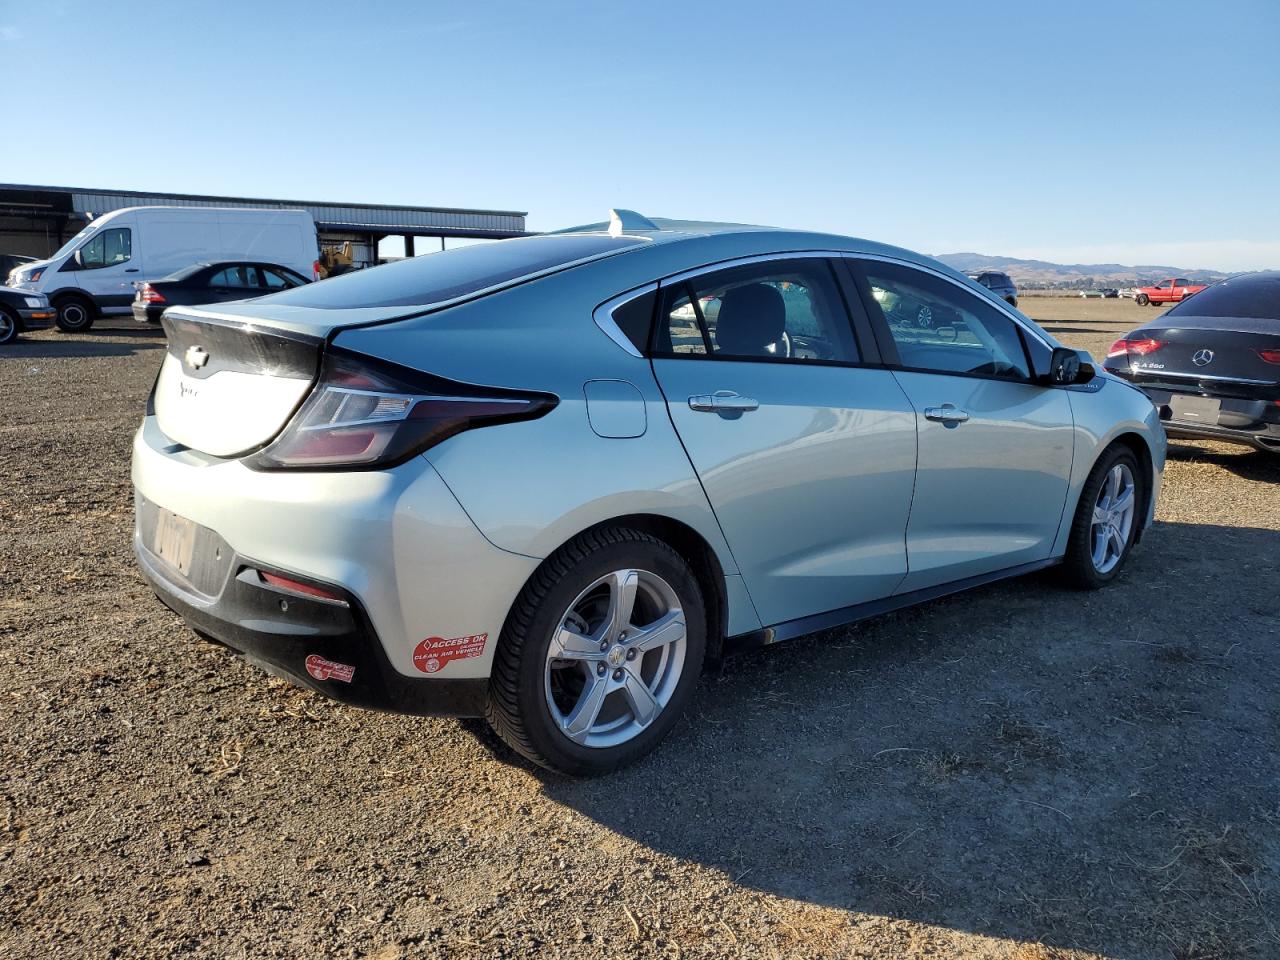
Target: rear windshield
{"points": [[453, 273], [186, 271], [1256, 296]]}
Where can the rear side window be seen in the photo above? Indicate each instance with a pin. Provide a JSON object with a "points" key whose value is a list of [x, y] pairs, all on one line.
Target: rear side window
{"points": [[785, 310], [236, 277], [1256, 298], [939, 327], [436, 277]]}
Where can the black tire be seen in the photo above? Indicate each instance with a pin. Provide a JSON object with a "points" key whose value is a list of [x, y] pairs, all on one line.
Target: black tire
{"points": [[1012, 301], [1142, 299], [10, 325], [1078, 569], [517, 709], [75, 314]]}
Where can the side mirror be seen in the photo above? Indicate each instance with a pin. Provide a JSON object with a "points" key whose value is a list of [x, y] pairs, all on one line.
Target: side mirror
{"points": [[1067, 366]]}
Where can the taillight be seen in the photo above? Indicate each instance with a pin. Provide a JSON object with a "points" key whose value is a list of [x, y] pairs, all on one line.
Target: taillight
{"points": [[315, 270], [365, 413], [150, 294], [1271, 356], [1140, 347]]}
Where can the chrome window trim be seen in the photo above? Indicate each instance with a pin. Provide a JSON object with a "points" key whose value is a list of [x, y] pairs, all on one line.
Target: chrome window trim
{"points": [[603, 316], [991, 299]]}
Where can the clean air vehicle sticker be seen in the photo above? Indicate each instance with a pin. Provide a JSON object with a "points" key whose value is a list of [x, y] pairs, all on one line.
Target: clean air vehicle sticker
{"points": [[323, 669], [434, 653]]}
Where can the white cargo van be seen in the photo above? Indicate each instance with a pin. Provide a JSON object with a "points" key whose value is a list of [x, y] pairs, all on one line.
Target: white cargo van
{"points": [[95, 271]]}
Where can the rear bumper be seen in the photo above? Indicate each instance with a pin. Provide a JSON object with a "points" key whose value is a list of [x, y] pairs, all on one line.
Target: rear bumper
{"points": [[396, 542], [1252, 422], [326, 646], [147, 312]]}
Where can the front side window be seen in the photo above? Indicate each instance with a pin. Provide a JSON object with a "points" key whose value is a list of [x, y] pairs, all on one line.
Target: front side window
{"points": [[939, 327], [783, 310], [280, 279], [107, 249], [1164, 285]]}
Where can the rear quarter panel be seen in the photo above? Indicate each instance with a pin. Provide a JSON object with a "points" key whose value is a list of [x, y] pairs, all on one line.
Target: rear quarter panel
{"points": [[530, 487]]}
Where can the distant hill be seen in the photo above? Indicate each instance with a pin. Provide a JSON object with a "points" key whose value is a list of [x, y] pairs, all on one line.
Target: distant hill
{"points": [[1041, 273]]}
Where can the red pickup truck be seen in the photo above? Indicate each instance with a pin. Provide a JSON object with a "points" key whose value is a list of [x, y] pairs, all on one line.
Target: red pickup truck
{"points": [[1174, 290]]}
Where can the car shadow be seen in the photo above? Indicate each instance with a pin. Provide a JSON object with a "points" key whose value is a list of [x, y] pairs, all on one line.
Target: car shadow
{"points": [[1081, 770], [1244, 462], [44, 345]]}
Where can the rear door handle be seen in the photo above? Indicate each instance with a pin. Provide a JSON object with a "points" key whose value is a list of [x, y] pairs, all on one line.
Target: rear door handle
{"points": [[723, 401], [948, 413], [131, 270]]}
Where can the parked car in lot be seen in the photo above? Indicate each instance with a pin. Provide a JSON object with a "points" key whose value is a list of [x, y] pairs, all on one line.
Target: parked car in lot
{"points": [[507, 481], [212, 283], [998, 283], [1211, 365], [10, 262], [1173, 290], [96, 272], [19, 311], [1101, 293]]}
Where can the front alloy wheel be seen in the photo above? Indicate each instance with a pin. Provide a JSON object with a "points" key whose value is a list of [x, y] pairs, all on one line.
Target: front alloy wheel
{"points": [[1107, 520], [600, 653], [1113, 518]]}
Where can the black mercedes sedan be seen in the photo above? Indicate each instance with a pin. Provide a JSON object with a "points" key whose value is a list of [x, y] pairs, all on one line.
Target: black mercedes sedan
{"points": [[1211, 364], [203, 283]]}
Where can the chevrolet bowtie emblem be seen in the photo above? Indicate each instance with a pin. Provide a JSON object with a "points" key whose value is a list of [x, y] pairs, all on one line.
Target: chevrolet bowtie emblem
{"points": [[196, 357]]}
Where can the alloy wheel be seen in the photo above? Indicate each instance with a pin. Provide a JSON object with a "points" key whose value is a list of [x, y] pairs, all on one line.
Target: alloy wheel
{"points": [[1113, 518], [615, 658]]}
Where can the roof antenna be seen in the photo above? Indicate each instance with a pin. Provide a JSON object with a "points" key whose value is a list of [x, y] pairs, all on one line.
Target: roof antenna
{"points": [[621, 221]]}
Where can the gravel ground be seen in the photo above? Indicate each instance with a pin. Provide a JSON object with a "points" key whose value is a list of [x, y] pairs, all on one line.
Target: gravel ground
{"points": [[1020, 772]]}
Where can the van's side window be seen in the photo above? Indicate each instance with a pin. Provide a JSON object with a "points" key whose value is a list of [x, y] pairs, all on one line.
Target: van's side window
{"points": [[107, 249]]}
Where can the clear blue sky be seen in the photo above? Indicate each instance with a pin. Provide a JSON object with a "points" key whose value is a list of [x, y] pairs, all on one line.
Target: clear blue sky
{"points": [[1132, 131]]}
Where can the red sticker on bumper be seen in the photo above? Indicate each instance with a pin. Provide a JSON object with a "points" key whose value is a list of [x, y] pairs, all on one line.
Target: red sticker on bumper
{"points": [[434, 653], [323, 669]]}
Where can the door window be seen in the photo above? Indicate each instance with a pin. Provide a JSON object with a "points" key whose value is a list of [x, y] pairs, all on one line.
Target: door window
{"points": [[939, 327], [238, 277], [107, 249], [784, 310], [279, 279]]}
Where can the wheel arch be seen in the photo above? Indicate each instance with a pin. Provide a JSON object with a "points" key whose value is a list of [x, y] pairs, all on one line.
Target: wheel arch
{"points": [[694, 549], [1136, 444]]}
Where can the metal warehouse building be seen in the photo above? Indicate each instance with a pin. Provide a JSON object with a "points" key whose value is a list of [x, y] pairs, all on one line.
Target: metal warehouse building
{"points": [[36, 221]]}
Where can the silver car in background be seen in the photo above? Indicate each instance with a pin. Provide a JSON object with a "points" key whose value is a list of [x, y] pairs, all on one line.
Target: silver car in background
{"points": [[545, 480]]}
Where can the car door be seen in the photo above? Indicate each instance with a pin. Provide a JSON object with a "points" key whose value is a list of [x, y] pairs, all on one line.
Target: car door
{"points": [[806, 447], [237, 281], [106, 265], [995, 448]]}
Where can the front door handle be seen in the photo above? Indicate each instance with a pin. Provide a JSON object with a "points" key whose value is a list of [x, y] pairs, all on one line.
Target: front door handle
{"points": [[131, 270], [723, 401], [947, 414]]}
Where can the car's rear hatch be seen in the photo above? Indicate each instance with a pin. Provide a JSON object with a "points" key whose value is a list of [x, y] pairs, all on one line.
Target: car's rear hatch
{"points": [[229, 383], [1237, 357], [235, 373]]}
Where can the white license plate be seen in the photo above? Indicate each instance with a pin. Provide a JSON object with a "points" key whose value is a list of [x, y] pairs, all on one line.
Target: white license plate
{"points": [[1195, 409], [175, 540]]}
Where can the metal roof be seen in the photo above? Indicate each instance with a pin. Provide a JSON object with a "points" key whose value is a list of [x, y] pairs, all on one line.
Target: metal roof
{"points": [[354, 217]]}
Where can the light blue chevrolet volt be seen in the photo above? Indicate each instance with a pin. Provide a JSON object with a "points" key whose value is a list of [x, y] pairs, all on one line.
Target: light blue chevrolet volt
{"points": [[545, 480]]}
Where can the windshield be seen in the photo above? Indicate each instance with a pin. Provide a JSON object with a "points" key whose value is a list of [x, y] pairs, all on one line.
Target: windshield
{"points": [[436, 277], [74, 242]]}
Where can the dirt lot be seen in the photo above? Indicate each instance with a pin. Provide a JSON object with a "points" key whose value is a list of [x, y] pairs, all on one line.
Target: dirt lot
{"points": [[1020, 772]]}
